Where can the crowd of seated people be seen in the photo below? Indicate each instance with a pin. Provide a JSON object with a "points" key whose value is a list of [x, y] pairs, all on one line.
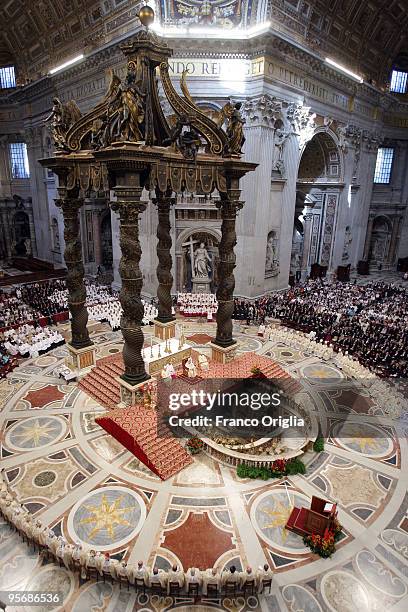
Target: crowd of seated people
{"points": [[37, 295], [31, 340], [13, 311], [197, 305], [103, 304], [95, 564], [7, 362], [366, 321]]}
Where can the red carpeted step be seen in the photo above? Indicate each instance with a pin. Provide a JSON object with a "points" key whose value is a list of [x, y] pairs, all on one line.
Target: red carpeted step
{"points": [[137, 429]]}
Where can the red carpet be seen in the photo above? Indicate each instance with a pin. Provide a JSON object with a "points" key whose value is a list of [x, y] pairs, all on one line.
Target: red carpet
{"points": [[137, 429], [100, 383]]}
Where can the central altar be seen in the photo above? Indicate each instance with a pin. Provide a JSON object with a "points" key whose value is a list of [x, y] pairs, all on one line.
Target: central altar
{"points": [[157, 356]]}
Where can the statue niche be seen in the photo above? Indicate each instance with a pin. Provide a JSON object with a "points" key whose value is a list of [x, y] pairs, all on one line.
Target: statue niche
{"points": [[271, 260]]}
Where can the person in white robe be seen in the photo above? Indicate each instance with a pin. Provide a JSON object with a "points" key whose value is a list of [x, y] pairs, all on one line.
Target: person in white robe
{"points": [[139, 573], [175, 575], [210, 576], [193, 576], [263, 574], [248, 576], [230, 575], [203, 362], [191, 368], [158, 576]]}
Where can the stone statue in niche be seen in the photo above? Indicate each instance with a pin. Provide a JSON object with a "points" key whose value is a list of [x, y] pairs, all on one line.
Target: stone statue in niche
{"points": [[202, 261], [271, 260], [348, 239], [278, 163]]}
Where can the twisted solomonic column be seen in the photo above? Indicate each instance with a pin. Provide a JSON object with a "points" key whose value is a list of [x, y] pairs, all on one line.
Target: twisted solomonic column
{"points": [[229, 206], [164, 201], [129, 207], [75, 272]]}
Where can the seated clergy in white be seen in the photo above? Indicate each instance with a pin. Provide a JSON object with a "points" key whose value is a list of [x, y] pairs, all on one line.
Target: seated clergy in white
{"points": [[203, 362], [230, 575], [67, 556], [158, 576], [175, 575], [248, 576], [193, 576], [139, 573], [210, 576], [262, 574], [122, 570], [191, 368]]}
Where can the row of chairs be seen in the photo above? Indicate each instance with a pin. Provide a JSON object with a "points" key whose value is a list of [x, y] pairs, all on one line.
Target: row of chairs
{"points": [[213, 592]]}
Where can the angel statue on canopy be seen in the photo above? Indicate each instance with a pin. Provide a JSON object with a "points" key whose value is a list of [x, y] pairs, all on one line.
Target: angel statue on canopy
{"points": [[62, 117]]}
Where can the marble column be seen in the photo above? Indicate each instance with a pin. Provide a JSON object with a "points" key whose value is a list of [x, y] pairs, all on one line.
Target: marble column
{"points": [[75, 271], [307, 236], [129, 206], [229, 205], [368, 239], [164, 201], [7, 232], [32, 233]]}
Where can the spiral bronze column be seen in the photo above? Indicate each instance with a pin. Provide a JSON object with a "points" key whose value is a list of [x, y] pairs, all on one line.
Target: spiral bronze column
{"points": [[164, 201], [229, 205], [75, 271], [129, 207]]}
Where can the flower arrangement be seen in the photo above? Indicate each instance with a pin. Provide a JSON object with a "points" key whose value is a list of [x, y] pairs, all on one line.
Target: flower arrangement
{"points": [[257, 372], [278, 469], [318, 445], [195, 445], [325, 545]]}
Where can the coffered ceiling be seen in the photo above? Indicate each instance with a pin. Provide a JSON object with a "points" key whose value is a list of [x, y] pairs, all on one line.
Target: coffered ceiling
{"points": [[367, 35]]}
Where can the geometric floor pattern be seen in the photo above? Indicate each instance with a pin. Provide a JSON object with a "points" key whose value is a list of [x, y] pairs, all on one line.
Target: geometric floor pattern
{"points": [[71, 474]]}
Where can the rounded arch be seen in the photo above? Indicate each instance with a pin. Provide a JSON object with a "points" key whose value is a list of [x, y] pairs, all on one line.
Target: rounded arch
{"points": [[189, 231], [380, 241], [184, 256], [322, 157]]}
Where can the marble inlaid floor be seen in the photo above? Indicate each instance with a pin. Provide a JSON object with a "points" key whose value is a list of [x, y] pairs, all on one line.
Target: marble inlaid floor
{"points": [[71, 474]]}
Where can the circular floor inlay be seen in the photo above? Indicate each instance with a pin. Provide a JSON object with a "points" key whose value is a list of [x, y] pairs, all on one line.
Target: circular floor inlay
{"points": [[35, 432], [110, 516], [44, 479], [269, 515]]}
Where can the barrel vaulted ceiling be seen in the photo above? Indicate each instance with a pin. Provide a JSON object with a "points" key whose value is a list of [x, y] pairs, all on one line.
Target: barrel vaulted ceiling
{"points": [[367, 35]]}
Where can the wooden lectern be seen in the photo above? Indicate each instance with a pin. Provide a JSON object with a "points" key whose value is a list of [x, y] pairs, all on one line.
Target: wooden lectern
{"points": [[316, 520]]}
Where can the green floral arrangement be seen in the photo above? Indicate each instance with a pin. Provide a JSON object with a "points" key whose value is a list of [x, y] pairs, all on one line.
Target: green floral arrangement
{"points": [[195, 445], [278, 469], [318, 445]]}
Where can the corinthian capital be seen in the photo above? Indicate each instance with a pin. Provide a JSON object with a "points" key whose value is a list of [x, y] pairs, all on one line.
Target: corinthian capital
{"points": [[263, 110]]}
